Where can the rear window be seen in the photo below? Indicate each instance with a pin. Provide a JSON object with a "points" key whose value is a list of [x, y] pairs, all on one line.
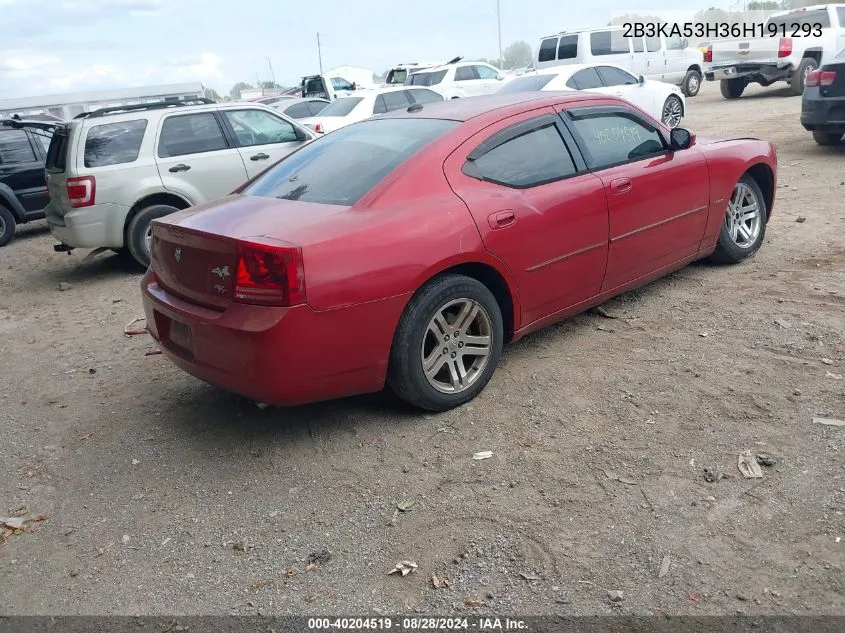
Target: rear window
{"points": [[803, 22], [57, 151], [426, 79], [527, 84], [114, 143], [341, 107], [341, 167]]}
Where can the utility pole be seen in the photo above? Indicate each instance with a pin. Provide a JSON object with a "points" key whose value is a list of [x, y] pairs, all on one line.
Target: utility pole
{"points": [[319, 53], [272, 74], [499, 20]]}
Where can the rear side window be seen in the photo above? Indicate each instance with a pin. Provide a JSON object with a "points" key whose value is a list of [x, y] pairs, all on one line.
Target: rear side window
{"points": [[611, 138], [190, 134], [341, 107], [547, 50], [421, 95], [57, 151], [568, 47], [527, 84], [341, 167], [114, 143], [608, 43], [426, 79], [803, 22], [536, 157], [15, 148], [298, 110], [585, 79]]}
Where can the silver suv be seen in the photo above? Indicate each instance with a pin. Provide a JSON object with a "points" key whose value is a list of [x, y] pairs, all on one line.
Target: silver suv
{"points": [[114, 170]]}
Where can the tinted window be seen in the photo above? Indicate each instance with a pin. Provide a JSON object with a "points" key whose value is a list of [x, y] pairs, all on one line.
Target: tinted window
{"points": [[15, 148], [612, 138], [547, 50], [840, 12], [615, 76], [485, 72], [426, 79], [114, 143], [396, 76], [341, 167], [421, 95], [256, 127], [638, 44], [586, 79], [395, 100], [298, 110], [568, 47], [315, 86], [608, 43], [794, 21], [652, 44], [190, 134], [465, 73], [341, 84], [530, 159], [341, 107], [57, 152], [527, 84], [317, 106]]}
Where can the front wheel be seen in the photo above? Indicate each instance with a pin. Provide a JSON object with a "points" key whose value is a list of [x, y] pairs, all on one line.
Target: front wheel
{"points": [[7, 226], [672, 111], [139, 232], [447, 345], [827, 138], [692, 83], [744, 226]]}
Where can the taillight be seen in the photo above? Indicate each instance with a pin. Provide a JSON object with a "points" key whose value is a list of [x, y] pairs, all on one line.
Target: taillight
{"points": [[81, 191], [785, 47], [812, 78], [708, 56], [270, 274], [820, 78], [318, 128]]}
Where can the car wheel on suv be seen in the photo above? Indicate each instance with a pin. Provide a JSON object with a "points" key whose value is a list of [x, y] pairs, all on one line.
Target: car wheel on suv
{"points": [[7, 226], [139, 231]]}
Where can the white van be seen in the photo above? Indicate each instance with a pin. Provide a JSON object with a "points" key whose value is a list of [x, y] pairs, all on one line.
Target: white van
{"points": [[668, 59]]}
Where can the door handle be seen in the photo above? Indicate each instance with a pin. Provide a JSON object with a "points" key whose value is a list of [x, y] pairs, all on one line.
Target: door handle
{"points": [[620, 185], [501, 219], [179, 167], [619, 93], [259, 156]]}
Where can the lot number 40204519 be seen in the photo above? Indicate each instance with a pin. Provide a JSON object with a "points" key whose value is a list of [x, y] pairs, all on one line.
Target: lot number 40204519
{"points": [[629, 134]]}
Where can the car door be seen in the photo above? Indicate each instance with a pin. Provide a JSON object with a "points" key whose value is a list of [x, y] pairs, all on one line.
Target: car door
{"points": [[22, 169], [658, 199], [623, 84], [654, 58], [262, 138], [840, 14], [488, 79], [466, 81], [675, 59], [536, 207], [195, 159], [639, 59]]}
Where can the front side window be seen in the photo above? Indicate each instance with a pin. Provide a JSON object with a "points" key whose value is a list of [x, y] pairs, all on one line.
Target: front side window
{"points": [[568, 47], [616, 76], [611, 138], [609, 43], [341, 84], [421, 95], [465, 73], [15, 148], [341, 107], [114, 143], [536, 157], [190, 134], [426, 79], [485, 72], [256, 127], [341, 167], [586, 79]]}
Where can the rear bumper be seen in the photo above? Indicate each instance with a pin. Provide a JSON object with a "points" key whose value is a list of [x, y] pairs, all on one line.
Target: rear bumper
{"points": [[280, 356], [89, 227], [822, 113], [752, 72]]}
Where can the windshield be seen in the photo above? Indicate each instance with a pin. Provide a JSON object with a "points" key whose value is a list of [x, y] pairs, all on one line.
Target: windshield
{"points": [[341, 107], [341, 167], [527, 84], [426, 79]]}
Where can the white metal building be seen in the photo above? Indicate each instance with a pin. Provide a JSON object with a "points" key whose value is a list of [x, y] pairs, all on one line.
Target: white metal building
{"points": [[67, 106]]}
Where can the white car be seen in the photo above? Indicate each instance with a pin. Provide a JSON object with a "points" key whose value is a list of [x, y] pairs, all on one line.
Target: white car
{"points": [[460, 79], [398, 74], [665, 102], [366, 103]]}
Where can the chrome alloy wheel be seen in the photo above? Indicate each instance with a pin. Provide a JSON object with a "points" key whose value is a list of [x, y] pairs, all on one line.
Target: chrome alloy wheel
{"points": [[148, 240], [693, 85], [672, 112], [743, 218], [457, 345]]}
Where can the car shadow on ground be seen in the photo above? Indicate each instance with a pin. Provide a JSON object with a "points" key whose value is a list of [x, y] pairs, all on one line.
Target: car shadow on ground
{"points": [[769, 93], [90, 266], [33, 230]]}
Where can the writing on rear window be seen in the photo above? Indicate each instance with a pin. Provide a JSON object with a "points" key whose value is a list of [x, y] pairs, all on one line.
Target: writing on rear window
{"points": [[114, 143]]}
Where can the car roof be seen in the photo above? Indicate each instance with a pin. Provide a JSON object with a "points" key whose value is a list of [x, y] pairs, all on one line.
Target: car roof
{"points": [[457, 64], [469, 108]]}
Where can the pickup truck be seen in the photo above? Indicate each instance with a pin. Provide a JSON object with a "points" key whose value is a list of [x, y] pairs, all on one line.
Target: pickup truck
{"points": [[796, 43]]}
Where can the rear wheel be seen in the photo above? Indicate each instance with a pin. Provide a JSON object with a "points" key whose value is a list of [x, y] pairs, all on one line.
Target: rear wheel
{"points": [[799, 76], [447, 345], [672, 111], [732, 88], [692, 83], [827, 138], [7, 226], [139, 231], [744, 226]]}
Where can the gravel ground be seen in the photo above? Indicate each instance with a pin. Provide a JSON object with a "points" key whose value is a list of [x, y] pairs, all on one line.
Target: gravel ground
{"points": [[165, 495]]}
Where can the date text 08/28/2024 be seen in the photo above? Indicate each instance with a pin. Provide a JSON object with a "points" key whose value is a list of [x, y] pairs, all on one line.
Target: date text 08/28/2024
{"points": [[419, 623]]}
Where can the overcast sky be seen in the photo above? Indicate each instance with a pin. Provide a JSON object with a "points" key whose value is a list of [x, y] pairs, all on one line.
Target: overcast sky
{"points": [[56, 46]]}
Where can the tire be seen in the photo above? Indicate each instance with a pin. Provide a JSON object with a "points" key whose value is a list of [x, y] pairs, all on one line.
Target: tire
{"points": [[7, 226], [672, 112], [413, 343], [136, 232], [692, 83], [827, 138], [732, 88], [733, 249], [796, 84]]}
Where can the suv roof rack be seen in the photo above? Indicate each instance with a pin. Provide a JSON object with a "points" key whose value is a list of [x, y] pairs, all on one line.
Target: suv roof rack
{"points": [[454, 61], [144, 106]]}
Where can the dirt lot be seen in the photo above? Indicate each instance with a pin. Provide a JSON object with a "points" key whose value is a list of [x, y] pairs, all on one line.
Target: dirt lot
{"points": [[166, 495]]}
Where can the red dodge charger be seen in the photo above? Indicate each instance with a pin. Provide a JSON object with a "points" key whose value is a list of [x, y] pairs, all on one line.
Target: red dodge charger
{"points": [[408, 248]]}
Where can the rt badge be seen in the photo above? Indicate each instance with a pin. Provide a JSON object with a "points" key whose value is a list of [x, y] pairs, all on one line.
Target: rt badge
{"points": [[178, 254]]}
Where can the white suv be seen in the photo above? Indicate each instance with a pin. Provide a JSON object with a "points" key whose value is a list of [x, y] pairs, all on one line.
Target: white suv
{"points": [[114, 170], [459, 79]]}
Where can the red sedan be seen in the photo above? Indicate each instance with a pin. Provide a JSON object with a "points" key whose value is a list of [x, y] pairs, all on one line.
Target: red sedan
{"points": [[408, 248]]}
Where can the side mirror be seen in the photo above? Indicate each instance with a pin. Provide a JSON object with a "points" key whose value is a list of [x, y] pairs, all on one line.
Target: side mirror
{"points": [[679, 138], [641, 80], [302, 135]]}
